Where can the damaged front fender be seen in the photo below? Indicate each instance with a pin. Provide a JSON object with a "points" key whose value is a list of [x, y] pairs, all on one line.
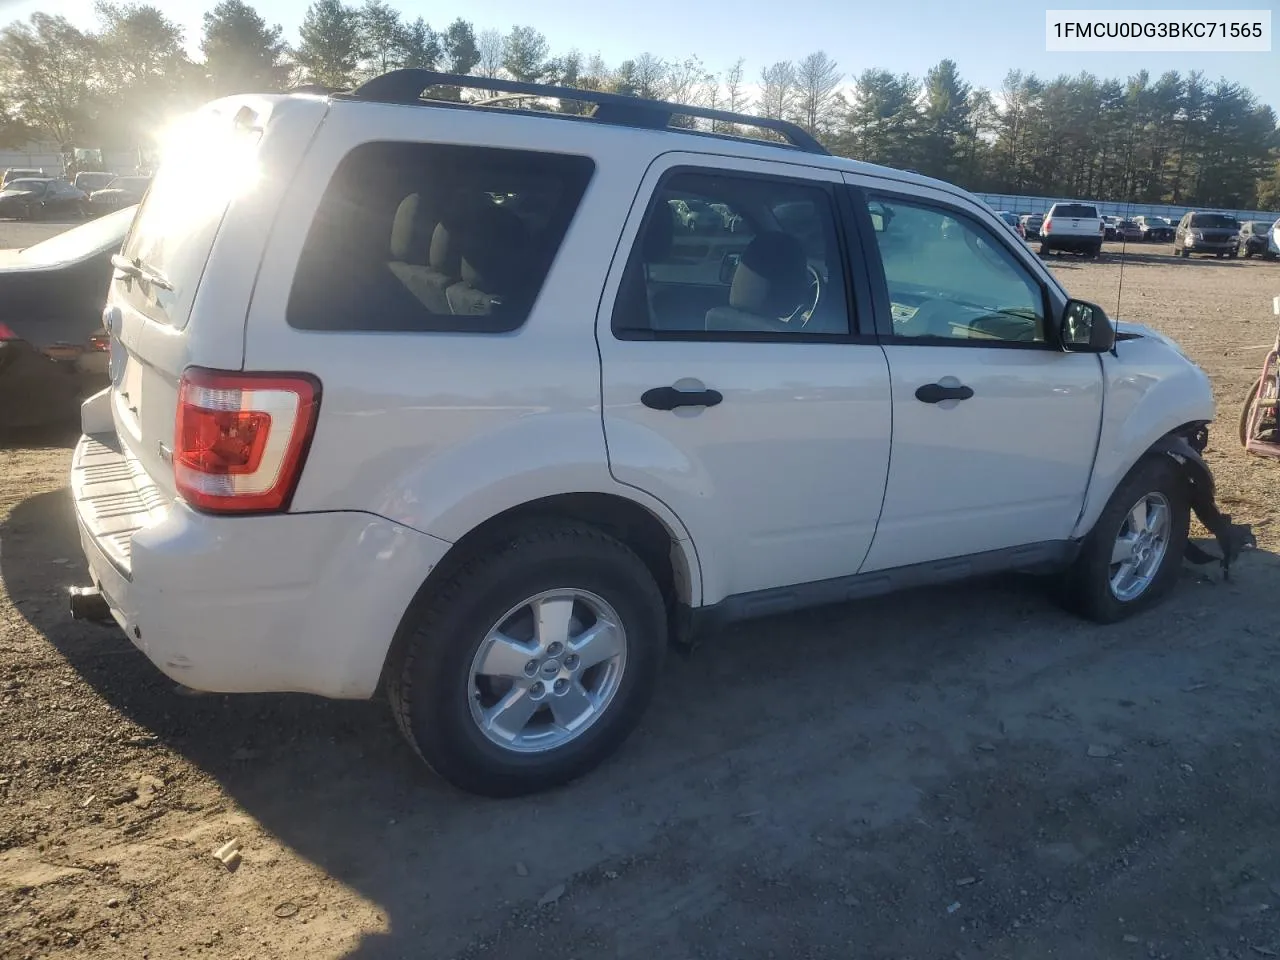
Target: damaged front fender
{"points": [[1232, 538]]}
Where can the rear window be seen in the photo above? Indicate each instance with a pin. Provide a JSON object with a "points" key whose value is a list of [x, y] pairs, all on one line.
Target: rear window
{"points": [[433, 237], [1213, 220], [1079, 210], [209, 159]]}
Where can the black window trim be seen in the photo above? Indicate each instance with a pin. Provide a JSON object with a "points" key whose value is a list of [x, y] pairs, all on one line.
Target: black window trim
{"points": [[880, 284], [858, 303]]}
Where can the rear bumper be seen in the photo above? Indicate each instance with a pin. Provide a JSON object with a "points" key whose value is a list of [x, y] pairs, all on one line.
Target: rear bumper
{"points": [[293, 602], [1072, 242]]}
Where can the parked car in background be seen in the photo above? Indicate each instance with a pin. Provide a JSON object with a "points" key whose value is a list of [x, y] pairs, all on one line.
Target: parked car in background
{"points": [[1072, 226], [21, 173], [1128, 231], [91, 180], [1154, 229], [53, 350], [1014, 222], [1254, 239], [1109, 228], [1273, 240], [121, 192], [1210, 233], [1031, 225], [31, 199]]}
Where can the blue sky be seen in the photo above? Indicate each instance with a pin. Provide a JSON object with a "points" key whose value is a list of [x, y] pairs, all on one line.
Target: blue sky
{"points": [[985, 37]]}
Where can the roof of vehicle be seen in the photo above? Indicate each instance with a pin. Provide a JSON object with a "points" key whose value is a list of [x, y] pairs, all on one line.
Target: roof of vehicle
{"points": [[614, 115]]}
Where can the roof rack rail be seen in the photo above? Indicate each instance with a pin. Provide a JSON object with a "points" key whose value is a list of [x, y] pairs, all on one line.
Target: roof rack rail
{"points": [[407, 85]]}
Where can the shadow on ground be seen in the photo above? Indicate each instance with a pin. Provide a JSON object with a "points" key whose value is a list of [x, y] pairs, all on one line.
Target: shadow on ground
{"points": [[815, 785]]}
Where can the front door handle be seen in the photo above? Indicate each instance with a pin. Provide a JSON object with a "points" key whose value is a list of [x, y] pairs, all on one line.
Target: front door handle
{"points": [[936, 393], [668, 398]]}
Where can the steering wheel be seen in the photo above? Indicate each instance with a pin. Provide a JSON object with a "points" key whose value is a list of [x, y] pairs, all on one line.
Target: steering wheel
{"points": [[805, 309]]}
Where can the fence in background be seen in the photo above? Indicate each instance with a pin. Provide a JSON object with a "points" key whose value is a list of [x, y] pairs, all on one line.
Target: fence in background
{"points": [[40, 156], [1021, 204]]}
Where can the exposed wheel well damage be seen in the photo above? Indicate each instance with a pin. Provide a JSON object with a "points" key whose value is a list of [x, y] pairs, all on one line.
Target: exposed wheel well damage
{"points": [[1184, 446]]}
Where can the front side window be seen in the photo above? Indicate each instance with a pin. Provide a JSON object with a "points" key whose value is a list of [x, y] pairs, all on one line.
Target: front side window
{"points": [[433, 237], [950, 279], [726, 255]]}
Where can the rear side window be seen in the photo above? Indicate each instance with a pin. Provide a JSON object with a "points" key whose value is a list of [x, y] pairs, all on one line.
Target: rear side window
{"points": [[432, 237], [1078, 210]]}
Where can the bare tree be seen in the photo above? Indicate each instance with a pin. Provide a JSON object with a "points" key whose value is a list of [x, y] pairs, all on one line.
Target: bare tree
{"points": [[735, 95], [489, 45], [817, 80], [683, 80], [648, 73], [778, 94]]}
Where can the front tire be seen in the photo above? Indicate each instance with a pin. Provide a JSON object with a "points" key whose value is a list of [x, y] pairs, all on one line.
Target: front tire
{"points": [[532, 662], [1131, 558]]}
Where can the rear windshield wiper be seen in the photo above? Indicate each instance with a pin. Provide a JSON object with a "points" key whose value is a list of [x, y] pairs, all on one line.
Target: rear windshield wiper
{"points": [[136, 268]]}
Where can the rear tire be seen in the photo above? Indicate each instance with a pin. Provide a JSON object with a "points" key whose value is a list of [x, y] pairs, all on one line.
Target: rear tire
{"points": [[441, 699], [1095, 585], [1233, 254], [1045, 249]]}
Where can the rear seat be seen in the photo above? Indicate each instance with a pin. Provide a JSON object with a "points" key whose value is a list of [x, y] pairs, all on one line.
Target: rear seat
{"points": [[495, 249]]}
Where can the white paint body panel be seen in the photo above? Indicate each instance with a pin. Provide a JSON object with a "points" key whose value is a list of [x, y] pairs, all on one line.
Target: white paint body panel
{"points": [[1151, 389], [1009, 466], [781, 482]]}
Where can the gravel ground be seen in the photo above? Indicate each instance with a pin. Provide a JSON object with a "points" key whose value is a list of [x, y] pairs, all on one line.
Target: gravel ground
{"points": [[968, 774]]}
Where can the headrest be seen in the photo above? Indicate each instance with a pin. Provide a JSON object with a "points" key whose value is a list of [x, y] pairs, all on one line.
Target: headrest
{"points": [[659, 234], [410, 230], [772, 277], [494, 243], [444, 255]]}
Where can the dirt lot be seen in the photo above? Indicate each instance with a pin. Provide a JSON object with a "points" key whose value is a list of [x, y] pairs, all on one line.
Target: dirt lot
{"points": [[968, 774]]}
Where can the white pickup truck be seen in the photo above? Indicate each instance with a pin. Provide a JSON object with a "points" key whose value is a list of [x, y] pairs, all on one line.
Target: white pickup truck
{"points": [[1072, 226]]}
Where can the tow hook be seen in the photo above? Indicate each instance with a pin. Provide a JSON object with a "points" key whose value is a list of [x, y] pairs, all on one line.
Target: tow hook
{"points": [[88, 603]]}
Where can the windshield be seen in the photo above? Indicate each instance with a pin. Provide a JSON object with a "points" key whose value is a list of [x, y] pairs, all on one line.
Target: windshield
{"points": [[35, 186], [106, 233], [93, 181], [1214, 220]]}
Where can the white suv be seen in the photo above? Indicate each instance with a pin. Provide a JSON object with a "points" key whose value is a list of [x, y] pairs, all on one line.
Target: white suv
{"points": [[434, 398]]}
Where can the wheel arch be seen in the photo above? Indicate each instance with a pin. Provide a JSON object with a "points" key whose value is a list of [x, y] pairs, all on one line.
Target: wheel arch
{"points": [[668, 553], [1192, 432]]}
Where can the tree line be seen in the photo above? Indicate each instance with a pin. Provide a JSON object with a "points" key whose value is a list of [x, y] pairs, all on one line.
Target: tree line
{"points": [[1177, 138]]}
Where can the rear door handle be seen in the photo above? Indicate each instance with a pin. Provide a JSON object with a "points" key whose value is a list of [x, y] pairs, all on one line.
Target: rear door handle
{"points": [[936, 393], [668, 398]]}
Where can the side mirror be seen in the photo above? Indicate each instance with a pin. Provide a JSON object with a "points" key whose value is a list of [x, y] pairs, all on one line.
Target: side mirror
{"points": [[1086, 328]]}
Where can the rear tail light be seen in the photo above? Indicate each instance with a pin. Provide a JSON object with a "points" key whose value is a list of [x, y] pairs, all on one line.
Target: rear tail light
{"points": [[1044, 227], [6, 333], [241, 439], [100, 342]]}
